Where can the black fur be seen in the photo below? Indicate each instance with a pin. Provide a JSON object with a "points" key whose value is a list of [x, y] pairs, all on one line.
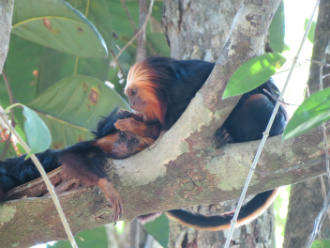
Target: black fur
{"points": [[209, 222], [249, 118], [85, 159], [177, 82]]}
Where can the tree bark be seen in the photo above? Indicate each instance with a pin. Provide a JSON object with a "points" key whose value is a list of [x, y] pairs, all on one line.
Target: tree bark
{"points": [[184, 168], [306, 198], [6, 14]]}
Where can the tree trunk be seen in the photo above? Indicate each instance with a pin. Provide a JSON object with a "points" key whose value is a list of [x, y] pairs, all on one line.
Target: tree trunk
{"points": [[6, 13], [198, 30], [306, 198]]}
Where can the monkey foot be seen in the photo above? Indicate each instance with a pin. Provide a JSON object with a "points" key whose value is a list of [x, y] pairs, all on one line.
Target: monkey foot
{"points": [[222, 137], [113, 197]]}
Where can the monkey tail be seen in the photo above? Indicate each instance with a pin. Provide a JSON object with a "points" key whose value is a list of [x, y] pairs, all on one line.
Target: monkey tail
{"points": [[17, 171], [249, 211]]}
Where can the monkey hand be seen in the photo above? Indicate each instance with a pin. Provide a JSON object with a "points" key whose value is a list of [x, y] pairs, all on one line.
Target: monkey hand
{"points": [[113, 197], [131, 125]]}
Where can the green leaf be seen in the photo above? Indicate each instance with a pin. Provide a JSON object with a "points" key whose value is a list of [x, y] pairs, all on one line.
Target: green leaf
{"points": [[253, 73], [73, 106], [55, 65], [324, 243], [311, 113], [311, 32], [159, 229], [96, 238], [23, 57], [36, 131], [277, 30], [55, 24]]}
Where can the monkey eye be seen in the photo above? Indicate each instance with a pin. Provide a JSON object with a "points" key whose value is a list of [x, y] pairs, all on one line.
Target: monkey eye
{"points": [[122, 135], [133, 92]]}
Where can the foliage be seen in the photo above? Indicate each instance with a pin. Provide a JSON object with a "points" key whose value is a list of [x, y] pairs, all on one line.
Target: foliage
{"points": [[311, 113], [253, 73], [324, 243], [96, 238], [159, 229], [59, 59]]}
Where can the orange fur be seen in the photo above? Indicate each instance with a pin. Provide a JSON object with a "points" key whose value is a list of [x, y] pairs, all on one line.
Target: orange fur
{"points": [[240, 222], [142, 77], [106, 143]]}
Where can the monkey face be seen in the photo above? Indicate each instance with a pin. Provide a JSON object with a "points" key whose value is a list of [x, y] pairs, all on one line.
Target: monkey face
{"points": [[121, 144], [136, 102], [126, 144]]}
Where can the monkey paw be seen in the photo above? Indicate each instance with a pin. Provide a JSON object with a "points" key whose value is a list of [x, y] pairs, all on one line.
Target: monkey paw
{"points": [[127, 124], [113, 198]]}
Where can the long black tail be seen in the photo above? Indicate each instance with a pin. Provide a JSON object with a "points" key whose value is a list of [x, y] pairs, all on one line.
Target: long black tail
{"points": [[17, 171], [221, 222]]}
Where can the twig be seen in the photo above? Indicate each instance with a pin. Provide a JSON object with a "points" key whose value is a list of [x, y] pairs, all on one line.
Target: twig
{"points": [[141, 52], [324, 191], [266, 133], [13, 123], [128, 15], [10, 93], [44, 176], [281, 101], [318, 221], [137, 33], [117, 63]]}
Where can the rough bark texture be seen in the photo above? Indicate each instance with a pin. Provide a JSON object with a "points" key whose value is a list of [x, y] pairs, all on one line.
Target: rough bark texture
{"points": [[184, 168], [6, 13], [198, 30], [306, 198]]}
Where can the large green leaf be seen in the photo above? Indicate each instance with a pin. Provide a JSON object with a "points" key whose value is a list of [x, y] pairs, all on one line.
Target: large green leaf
{"points": [[21, 68], [73, 106], [95, 238], [36, 131], [311, 113], [55, 65], [277, 30], [253, 73], [55, 24], [159, 229]]}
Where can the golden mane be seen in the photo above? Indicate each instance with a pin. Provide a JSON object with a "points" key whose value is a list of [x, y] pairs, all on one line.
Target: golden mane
{"points": [[142, 77]]}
